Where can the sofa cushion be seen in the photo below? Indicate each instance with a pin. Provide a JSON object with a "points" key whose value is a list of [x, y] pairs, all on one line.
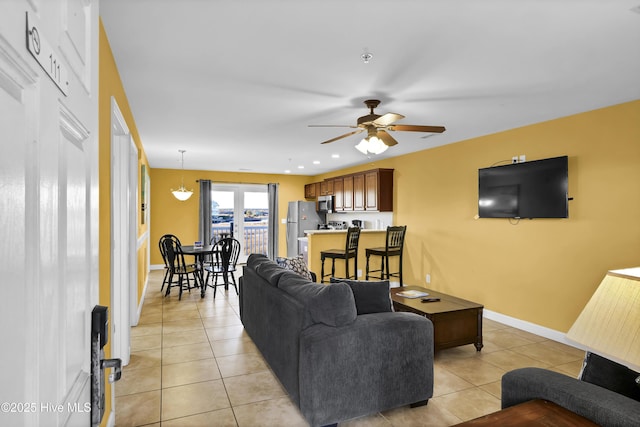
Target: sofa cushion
{"points": [[332, 305], [296, 264], [265, 268], [610, 375], [370, 296]]}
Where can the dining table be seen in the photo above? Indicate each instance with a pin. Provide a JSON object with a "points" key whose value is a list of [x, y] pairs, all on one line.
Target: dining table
{"points": [[200, 252]]}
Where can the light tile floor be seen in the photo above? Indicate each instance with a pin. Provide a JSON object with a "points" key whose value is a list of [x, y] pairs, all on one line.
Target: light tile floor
{"points": [[192, 364]]}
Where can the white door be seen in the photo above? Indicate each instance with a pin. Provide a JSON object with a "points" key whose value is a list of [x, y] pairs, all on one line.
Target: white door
{"points": [[49, 217], [242, 209]]}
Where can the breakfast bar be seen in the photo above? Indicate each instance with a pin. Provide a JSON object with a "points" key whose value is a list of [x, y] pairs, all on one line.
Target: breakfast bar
{"points": [[320, 240]]}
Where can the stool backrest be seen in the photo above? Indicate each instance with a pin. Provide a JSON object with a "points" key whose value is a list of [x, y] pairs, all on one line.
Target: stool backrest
{"points": [[395, 237], [353, 237]]}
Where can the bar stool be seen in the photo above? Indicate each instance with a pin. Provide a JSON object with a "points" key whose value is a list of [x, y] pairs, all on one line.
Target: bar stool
{"points": [[350, 251], [393, 247]]}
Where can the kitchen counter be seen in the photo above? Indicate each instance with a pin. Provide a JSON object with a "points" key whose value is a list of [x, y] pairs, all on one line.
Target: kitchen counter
{"points": [[321, 240], [307, 232]]}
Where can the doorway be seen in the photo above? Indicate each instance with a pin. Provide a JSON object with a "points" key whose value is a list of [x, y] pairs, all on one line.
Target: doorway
{"points": [[124, 220], [241, 210]]}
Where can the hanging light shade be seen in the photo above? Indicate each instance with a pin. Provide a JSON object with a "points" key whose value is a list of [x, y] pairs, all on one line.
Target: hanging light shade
{"points": [[182, 193], [371, 145]]}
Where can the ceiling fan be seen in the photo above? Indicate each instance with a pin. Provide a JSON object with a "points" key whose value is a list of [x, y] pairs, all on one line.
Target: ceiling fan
{"points": [[376, 126]]}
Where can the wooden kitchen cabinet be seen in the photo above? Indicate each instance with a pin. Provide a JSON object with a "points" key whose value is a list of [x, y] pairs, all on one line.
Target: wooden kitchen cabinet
{"points": [[338, 194], [326, 187], [312, 190], [370, 190], [359, 192], [378, 185], [347, 193]]}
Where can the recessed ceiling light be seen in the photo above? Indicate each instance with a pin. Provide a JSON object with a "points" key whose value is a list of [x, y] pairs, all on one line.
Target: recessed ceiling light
{"points": [[316, 162], [335, 156], [287, 171], [300, 167]]}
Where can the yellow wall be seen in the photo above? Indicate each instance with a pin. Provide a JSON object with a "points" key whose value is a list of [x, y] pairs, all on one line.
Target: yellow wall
{"points": [[170, 216], [545, 270], [542, 271], [111, 85]]}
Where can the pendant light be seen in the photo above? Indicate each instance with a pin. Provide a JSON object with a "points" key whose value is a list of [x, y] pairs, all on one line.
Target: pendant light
{"points": [[182, 193]]}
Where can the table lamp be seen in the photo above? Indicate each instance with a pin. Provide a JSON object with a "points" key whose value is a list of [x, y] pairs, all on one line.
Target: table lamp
{"points": [[609, 324]]}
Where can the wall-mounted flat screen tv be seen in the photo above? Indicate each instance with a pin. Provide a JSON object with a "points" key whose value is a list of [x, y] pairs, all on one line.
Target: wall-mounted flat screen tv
{"points": [[536, 189]]}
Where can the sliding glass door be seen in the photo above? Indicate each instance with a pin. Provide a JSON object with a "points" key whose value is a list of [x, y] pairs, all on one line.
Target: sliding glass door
{"points": [[241, 211]]}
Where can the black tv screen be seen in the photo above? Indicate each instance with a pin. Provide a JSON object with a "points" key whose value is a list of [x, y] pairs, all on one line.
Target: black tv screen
{"points": [[536, 189]]}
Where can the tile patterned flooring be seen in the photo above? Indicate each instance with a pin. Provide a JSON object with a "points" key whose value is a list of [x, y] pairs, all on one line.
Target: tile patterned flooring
{"points": [[192, 364]]}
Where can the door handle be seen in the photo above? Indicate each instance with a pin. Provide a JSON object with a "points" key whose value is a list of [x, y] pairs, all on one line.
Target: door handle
{"points": [[116, 364]]}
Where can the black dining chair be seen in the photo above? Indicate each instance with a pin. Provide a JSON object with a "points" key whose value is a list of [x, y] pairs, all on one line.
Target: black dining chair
{"points": [[225, 259], [177, 267], [350, 251], [394, 246], [209, 259], [163, 252]]}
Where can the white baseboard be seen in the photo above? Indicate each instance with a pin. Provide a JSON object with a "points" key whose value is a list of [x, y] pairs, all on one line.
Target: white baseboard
{"points": [[530, 327], [156, 267]]}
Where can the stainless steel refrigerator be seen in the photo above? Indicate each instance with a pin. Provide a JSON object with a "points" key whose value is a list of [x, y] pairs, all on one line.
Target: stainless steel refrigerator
{"points": [[301, 216]]}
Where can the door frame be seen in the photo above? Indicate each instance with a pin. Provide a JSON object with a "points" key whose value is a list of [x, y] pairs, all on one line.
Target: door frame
{"points": [[124, 220], [238, 207]]}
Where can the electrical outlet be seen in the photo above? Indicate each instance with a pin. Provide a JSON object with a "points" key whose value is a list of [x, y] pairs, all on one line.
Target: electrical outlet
{"points": [[523, 158], [514, 159], [359, 273], [428, 278]]}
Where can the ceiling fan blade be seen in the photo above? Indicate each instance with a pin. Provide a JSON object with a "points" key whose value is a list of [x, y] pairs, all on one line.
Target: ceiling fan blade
{"points": [[343, 136], [332, 126], [417, 128], [387, 119], [388, 140]]}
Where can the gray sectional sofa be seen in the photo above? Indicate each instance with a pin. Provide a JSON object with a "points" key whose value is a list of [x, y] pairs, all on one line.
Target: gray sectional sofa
{"points": [[606, 393], [334, 363]]}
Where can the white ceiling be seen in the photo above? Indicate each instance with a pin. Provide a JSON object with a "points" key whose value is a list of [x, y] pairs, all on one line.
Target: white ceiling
{"points": [[236, 83]]}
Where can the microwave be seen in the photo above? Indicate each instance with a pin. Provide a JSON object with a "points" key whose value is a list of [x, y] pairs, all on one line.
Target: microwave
{"points": [[325, 204]]}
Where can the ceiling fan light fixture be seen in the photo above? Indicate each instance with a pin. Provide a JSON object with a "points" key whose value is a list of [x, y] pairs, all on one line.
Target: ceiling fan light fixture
{"points": [[376, 146], [363, 146], [371, 145], [182, 193]]}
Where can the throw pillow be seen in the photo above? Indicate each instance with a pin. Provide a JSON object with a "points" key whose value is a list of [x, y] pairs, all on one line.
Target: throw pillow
{"points": [[295, 264], [610, 375], [371, 297]]}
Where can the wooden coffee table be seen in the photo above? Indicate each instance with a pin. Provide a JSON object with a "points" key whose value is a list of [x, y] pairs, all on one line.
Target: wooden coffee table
{"points": [[531, 414], [455, 321]]}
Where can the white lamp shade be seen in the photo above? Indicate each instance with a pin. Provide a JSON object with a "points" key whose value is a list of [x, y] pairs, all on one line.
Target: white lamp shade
{"points": [[376, 146], [363, 146], [182, 194], [610, 322], [371, 145]]}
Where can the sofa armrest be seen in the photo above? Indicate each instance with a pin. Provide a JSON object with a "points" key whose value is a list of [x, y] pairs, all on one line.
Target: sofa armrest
{"points": [[602, 406], [380, 361]]}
